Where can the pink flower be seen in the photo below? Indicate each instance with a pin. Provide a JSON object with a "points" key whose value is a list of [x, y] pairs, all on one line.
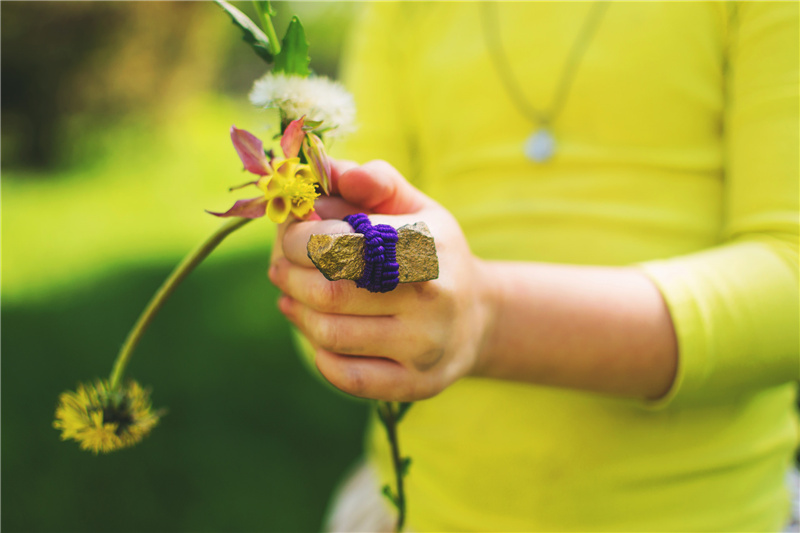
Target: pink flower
{"points": [[287, 185]]}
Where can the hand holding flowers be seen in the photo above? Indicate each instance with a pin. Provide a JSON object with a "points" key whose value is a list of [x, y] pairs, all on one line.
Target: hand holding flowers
{"points": [[405, 345]]}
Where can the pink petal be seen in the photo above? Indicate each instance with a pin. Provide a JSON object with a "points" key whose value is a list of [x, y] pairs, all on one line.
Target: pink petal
{"points": [[251, 151], [319, 161], [252, 208], [293, 138]]}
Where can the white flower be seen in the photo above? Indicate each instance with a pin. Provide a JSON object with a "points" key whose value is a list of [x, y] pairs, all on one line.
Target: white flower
{"points": [[316, 97]]}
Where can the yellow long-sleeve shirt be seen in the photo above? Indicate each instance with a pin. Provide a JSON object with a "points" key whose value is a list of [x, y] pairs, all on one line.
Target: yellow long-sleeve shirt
{"points": [[677, 150]]}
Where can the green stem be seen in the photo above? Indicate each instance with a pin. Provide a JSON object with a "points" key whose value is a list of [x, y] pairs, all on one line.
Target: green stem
{"points": [[181, 271], [265, 16], [390, 419]]}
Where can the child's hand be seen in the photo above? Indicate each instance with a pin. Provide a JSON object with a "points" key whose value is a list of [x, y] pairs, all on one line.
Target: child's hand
{"points": [[404, 345]]}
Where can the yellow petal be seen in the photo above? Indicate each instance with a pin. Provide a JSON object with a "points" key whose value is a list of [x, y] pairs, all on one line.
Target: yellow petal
{"points": [[285, 167], [275, 187], [303, 208], [306, 173], [278, 209]]}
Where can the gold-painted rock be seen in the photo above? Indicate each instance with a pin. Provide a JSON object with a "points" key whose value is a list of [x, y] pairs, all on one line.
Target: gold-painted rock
{"points": [[341, 255]]}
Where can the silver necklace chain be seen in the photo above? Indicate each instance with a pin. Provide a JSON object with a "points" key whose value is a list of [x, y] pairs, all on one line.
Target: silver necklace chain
{"points": [[540, 145]]}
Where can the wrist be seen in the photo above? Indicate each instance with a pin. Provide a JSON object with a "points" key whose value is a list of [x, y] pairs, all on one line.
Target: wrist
{"points": [[488, 306]]}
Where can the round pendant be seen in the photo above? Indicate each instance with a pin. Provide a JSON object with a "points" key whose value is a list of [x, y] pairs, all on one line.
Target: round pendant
{"points": [[540, 146]]}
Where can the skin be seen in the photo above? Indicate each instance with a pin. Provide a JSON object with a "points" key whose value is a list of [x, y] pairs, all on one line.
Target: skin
{"points": [[599, 329]]}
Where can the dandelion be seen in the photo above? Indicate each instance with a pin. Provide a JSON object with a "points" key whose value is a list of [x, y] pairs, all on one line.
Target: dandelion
{"points": [[104, 419], [317, 98], [110, 415]]}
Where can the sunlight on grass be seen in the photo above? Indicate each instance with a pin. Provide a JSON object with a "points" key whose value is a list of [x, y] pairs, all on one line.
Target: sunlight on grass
{"points": [[142, 203]]}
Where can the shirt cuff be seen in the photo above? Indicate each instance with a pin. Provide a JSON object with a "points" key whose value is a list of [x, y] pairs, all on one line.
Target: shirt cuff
{"points": [[690, 322]]}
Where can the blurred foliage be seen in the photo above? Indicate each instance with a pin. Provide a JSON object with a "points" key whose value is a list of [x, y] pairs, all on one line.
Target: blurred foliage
{"points": [[142, 201], [98, 61], [72, 67], [250, 442], [115, 119], [134, 168]]}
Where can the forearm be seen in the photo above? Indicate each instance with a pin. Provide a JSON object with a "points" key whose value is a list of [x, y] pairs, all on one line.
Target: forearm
{"points": [[599, 329]]}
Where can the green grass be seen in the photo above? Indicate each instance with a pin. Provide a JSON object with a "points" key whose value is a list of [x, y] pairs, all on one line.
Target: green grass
{"points": [[251, 442], [138, 195]]}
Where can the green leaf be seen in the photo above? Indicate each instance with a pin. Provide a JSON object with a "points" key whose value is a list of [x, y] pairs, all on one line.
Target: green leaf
{"points": [[405, 463], [252, 34], [381, 408], [293, 57], [311, 125], [387, 491], [401, 411]]}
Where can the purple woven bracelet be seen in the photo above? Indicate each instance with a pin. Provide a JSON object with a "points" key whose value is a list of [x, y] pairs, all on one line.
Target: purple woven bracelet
{"points": [[381, 271]]}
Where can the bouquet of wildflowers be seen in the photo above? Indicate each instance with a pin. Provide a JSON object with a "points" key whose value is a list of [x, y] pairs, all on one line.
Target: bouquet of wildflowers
{"points": [[114, 413]]}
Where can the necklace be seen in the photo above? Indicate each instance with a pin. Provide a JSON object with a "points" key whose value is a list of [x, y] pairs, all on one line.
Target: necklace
{"points": [[541, 144]]}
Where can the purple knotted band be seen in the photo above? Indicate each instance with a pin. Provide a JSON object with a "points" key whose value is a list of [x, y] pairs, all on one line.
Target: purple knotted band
{"points": [[381, 271]]}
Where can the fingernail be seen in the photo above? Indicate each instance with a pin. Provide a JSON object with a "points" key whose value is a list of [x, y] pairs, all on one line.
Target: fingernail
{"points": [[284, 304]]}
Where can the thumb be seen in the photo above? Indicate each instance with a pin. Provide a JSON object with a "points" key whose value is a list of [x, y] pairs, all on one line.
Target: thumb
{"points": [[378, 187]]}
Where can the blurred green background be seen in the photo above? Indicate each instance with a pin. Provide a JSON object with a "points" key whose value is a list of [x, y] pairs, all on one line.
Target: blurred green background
{"points": [[115, 119]]}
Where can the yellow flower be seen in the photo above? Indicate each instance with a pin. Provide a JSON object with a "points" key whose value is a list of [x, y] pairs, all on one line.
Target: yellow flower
{"points": [[288, 185], [104, 420], [291, 189]]}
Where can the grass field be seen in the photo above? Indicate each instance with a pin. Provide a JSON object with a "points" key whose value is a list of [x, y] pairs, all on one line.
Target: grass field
{"points": [[252, 441]]}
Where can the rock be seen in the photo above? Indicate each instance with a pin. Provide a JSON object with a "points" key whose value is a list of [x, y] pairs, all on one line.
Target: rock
{"points": [[416, 253], [341, 256], [338, 256]]}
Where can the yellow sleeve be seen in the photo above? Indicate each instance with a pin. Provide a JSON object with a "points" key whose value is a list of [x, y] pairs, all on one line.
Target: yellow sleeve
{"points": [[735, 307]]}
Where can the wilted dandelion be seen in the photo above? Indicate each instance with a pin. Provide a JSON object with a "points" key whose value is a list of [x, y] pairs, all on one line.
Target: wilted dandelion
{"points": [[103, 419]]}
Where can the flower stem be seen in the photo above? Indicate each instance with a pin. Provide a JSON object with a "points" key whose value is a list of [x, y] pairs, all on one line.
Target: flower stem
{"points": [[390, 418], [265, 14], [188, 264]]}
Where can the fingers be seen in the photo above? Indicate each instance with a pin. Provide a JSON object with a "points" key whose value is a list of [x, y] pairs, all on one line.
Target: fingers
{"points": [[366, 356], [277, 245], [339, 167], [374, 377], [368, 345], [374, 187], [334, 207], [378, 187], [375, 336], [367, 377], [310, 287], [294, 238]]}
